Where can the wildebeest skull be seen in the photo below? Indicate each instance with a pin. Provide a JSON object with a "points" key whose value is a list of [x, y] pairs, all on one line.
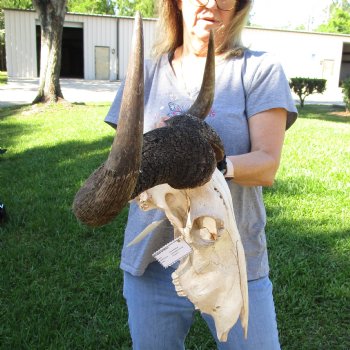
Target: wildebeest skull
{"points": [[173, 168], [214, 275]]}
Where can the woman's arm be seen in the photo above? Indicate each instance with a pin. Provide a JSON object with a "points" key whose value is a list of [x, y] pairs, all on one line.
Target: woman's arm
{"points": [[259, 167]]}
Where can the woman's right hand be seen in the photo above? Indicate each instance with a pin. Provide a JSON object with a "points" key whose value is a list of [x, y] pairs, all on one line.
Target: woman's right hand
{"points": [[162, 122]]}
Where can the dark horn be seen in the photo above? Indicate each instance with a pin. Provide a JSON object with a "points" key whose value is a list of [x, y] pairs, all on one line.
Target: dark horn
{"points": [[204, 100], [185, 152], [109, 188]]}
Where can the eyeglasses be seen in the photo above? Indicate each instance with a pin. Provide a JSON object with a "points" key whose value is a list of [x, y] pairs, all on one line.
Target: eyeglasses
{"points": [[223, 5]]}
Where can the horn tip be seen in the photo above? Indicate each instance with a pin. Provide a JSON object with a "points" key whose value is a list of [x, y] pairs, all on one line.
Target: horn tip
{"points": [[138, 22]]}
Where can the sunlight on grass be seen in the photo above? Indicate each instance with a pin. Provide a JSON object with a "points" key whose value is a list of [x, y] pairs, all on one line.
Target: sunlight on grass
{"points": [[61, 287], [309, 233]]}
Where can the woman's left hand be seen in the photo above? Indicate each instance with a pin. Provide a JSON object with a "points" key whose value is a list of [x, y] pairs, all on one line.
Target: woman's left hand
{"points": [[162, 122]]}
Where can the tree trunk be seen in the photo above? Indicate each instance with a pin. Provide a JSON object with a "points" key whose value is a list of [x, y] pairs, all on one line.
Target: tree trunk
{"points": [[51, 17]]}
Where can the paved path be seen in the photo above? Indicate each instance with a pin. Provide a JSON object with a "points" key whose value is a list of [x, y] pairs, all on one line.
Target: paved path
{"points": [[23, 91]]}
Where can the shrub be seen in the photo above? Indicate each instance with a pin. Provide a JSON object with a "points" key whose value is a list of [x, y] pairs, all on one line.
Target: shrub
{"points": [[346, 93], [304, 87]]}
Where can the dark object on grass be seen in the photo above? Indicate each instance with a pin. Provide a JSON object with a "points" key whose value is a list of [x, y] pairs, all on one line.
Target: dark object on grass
{"points": [[3, 150]]}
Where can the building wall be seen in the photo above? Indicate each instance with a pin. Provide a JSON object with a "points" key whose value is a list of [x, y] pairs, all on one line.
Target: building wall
{"points": [[125, 35], [98, 31], [302, 54], [107, 31], [20, 43]]}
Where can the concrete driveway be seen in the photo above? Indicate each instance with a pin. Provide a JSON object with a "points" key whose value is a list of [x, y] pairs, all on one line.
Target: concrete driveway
{"points": [[23, 91]]}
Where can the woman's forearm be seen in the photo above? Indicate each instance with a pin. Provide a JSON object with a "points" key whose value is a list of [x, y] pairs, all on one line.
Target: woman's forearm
{"points": [[254, 169], [259, 167]]}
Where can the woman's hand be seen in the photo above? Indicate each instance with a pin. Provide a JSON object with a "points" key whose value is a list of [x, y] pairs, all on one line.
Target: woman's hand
{"points": [[162, 122]]}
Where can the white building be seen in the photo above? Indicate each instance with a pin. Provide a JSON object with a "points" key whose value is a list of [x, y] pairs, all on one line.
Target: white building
{"points": [[93, 46], [97, 47], [306, 54]]}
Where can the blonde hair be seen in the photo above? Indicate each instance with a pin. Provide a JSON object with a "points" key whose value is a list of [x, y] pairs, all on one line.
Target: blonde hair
{"points": [[170, 30]]}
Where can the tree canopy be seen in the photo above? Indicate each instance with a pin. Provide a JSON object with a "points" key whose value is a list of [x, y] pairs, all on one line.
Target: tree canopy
{"points": [[16, 4], [343, 4], [92, 6], [339, 21], [81, 6], [110, 7], [129, 7]]}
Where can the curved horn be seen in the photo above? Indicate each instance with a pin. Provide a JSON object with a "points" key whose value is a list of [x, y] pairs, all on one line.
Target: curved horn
{"points": [[185, 152], [109, 188], [204, 100]]}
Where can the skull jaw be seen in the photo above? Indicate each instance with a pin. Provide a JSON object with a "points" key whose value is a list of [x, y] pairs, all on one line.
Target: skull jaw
{"points": [[210, 278]]}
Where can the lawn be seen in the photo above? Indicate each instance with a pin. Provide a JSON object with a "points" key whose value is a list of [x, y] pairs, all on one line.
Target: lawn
{"points": [[3, 78], [60, 285]]}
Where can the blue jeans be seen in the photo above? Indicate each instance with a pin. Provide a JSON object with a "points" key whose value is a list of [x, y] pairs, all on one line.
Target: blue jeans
{"points": [[160, 320]]}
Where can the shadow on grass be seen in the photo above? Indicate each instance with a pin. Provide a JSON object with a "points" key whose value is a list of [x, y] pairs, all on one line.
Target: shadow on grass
{"points": [[14, 130], [63, 283], [331, 113], [64, 286], [11, 110], [52, 173]]}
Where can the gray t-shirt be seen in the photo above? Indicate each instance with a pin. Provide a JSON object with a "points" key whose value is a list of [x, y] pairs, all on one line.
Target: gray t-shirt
{"points": [[243, 87]]}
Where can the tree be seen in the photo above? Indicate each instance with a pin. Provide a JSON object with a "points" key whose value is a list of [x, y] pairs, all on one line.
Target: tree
{"points": [[338, 23], [51, 16], [343, 4], [339, 20], [92, 6], [17, 4], [304, 87], [129, 7]]}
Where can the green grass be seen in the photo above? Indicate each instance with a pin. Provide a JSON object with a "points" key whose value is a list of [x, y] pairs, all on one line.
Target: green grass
{"points": [[3, 78], [309, 232], [60, 284]]}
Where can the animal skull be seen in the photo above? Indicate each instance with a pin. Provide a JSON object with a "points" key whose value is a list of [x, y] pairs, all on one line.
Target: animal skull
{"points": [[213, 277], [141, 166]]}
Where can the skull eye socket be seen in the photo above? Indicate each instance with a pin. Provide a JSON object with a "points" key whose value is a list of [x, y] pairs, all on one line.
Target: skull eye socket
{"points": [[178, 206]]}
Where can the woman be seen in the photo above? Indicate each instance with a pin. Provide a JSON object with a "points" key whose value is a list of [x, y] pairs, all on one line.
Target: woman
{"points": [[252, 109]]}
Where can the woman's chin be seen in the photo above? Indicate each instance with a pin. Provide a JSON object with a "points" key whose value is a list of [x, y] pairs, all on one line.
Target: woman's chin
{"points": [[202, 34]]}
